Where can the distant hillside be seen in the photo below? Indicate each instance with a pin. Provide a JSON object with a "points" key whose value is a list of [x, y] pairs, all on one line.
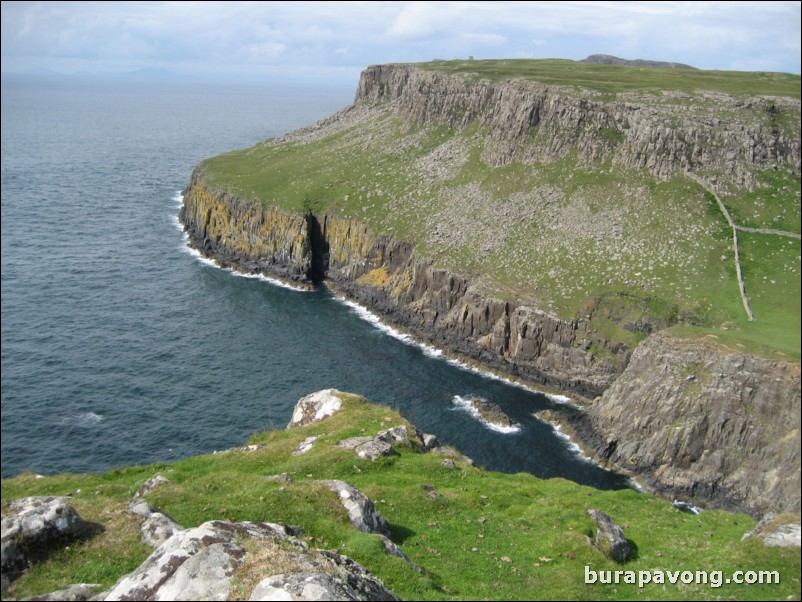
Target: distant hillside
{"points": [[609, 59]]}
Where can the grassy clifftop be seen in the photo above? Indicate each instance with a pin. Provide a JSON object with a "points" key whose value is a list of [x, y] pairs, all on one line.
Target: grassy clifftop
{"points": [[578, 206], [615, 79], [476, 534]]}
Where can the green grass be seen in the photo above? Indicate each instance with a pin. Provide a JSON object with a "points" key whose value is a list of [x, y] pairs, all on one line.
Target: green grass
{"points": [[488, 536], [614, 79]]}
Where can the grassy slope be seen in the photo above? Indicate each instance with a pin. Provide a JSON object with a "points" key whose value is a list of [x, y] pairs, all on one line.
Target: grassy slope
{"points": [[561, 235], [489, 535]]}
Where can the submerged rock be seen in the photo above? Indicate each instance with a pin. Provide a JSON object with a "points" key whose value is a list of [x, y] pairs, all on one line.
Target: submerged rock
{"points": [[491, 413]]}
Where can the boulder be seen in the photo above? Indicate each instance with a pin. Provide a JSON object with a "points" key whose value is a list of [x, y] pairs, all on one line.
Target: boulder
{"points": [[194, 564], [783, 531], [361, 511], [430, 442], [157, 526], [397, 434], [367, 448], [201, 564], [609, 537], [151, 484], [38, 523], [315, 407]]}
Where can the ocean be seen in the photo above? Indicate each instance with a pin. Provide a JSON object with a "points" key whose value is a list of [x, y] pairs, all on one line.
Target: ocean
{"points": [[121, 346]]}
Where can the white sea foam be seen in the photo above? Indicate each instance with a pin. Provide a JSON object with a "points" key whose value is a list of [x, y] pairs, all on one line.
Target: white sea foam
{"points": [[364, 313], [576, 449], [376, 321], [85, 419], [186, 248], [464, 404]]}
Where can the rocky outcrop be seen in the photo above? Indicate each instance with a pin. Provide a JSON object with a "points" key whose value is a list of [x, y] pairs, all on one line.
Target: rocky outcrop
{"points": [[36, 526], [531, 122], [157, 526], [704, 423], [315, 407], [205, 562], [491, 413], [610, 539], [361, 511], [783, 531]]}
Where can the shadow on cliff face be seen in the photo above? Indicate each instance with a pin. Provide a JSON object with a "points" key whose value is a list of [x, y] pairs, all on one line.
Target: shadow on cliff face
{"points": [[319, 266]]}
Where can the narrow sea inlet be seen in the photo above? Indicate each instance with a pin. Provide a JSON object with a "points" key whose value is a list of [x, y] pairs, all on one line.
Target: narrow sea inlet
{"points": [[120, 347]]}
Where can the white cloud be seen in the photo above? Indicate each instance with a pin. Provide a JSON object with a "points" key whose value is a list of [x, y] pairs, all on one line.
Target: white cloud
{"points": [[228, 37]]}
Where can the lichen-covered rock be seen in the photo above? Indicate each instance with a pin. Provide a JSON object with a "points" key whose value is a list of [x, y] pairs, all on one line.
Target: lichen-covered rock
{"points": [[37, 523], [361, 511], [609, 538], [305, 445], [397, 434], [373, 450], [430, 442], [157, 526], [367, 448], [202, 563], [315, 407], [194, 564]]}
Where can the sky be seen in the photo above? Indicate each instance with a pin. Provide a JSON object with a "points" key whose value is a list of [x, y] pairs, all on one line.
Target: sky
{"points": [[334, 41]]}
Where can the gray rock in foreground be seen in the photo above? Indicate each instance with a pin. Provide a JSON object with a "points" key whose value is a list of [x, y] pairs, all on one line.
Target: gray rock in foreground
{"points": [[157, 526], [361, 511], [38, 523], [609, 537], [202, 563]]}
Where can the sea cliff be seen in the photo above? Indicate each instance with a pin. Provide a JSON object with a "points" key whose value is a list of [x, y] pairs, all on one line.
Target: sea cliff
{"points": [[704, 436]]}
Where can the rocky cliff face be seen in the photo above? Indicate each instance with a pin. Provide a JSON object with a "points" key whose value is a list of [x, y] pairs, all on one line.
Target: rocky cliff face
{"points": [[387, 276], [530, 122], [705, 423]]}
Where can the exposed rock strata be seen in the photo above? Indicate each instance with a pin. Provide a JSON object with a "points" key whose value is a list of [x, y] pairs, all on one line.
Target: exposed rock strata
{"points": [[705, 423], [529, 122], [387, 276]]}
